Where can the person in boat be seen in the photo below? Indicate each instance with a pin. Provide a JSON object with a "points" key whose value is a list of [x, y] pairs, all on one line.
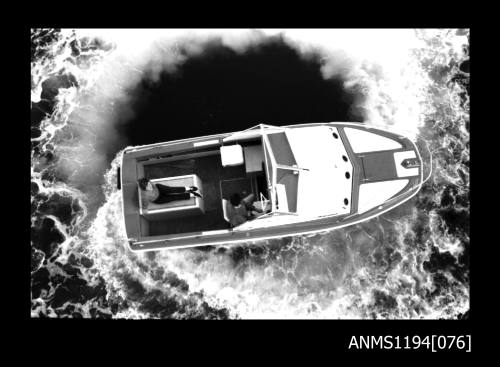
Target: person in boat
{"points": [[240, 210], [161, 194]]}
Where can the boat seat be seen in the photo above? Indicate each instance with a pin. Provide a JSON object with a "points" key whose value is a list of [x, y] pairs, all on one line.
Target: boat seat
{"points": [[231, 155], [177, 208], [254, 158]]}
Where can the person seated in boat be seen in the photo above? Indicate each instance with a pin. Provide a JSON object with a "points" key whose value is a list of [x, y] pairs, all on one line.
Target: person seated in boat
{"points": [[240, 210], [161, 194]]}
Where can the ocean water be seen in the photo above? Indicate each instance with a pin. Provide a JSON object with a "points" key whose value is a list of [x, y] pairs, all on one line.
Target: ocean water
{"points": [[95, 92]]}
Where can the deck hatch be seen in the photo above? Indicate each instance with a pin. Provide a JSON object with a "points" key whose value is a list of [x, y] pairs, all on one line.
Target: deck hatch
{"points": [[379, 166]]}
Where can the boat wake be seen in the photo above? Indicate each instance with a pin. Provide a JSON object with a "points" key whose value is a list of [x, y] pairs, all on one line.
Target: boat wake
{"points": [[90, 91]]}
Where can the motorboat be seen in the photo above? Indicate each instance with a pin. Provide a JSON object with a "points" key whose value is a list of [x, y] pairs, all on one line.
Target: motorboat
{"points": [[305, 178]]}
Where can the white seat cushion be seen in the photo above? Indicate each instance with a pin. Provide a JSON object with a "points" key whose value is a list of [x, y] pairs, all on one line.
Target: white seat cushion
{"points": [[282, 200], [224, 209], [231, 155]]}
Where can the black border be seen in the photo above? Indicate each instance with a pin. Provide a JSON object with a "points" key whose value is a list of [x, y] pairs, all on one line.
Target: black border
{"points": [[252, 336]]}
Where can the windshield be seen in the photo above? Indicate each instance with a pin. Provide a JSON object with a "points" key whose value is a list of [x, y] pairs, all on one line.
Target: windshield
{"points": [[281, 149], [282, 171]]}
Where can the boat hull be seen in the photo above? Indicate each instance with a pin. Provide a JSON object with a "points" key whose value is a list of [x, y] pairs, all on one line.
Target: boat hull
{"points": [[367, 169]]}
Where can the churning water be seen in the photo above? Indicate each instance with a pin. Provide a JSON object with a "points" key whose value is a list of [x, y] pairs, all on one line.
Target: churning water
{"points": [[95, 92]]}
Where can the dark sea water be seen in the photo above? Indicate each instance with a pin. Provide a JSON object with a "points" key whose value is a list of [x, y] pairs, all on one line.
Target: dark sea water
{"points": [[93, 93]]}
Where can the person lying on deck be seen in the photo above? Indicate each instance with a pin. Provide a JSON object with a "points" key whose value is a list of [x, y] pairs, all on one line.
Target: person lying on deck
{"points": [[240, 210], [161, 194]]}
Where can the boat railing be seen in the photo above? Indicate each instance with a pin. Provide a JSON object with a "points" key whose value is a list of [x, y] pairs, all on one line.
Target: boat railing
{"points": [[254, 131], [138, 148]]}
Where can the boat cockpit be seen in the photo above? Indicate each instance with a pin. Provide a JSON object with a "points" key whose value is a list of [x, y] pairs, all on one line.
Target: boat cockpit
{"points": [[239, 163]]}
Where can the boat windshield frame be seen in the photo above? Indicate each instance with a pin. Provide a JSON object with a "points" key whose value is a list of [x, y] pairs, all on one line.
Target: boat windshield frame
{"points": [[265, 131], [270, 162]]}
